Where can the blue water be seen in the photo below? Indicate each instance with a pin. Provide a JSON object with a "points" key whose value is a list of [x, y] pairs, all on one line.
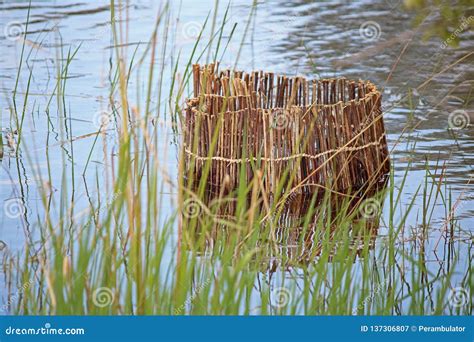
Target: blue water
{"points": [[299, 37]]}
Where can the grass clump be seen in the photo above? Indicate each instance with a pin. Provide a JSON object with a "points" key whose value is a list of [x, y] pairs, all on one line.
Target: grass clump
{"points": [[240, 251]]}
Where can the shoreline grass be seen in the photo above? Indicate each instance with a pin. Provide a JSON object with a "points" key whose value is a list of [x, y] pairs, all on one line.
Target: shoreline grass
{"points": [[239, 252]]}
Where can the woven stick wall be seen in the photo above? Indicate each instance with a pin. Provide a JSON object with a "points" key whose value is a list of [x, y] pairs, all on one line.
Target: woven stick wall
{"points": [[326, 133]]}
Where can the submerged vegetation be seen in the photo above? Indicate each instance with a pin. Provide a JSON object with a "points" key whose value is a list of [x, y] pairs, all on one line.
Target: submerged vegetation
{"points": [[116, 250]]}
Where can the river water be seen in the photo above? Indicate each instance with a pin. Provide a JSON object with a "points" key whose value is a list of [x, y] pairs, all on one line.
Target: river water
{"points": [[315, 39]]}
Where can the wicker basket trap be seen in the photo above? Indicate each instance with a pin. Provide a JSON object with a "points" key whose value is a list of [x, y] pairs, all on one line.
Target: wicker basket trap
{"points": [[308, 134]]}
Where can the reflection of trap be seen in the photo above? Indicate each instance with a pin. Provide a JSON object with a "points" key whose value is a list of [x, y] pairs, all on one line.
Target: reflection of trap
{"points": [[337, 226], [304, 133]]}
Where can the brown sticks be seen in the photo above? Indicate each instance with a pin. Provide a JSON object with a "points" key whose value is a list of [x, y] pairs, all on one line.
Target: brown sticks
{"points": [[311, 134]]}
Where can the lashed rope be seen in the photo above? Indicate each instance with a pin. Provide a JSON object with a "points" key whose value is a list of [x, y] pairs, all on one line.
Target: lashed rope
{"points": [[294, 156]]}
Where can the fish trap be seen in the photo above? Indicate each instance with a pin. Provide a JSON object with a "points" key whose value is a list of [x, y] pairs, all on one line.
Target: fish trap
{"points": [[289, 131]]}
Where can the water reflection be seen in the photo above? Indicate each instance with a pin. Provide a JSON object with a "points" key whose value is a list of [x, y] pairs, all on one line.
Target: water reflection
{"points": [[303, 229]]}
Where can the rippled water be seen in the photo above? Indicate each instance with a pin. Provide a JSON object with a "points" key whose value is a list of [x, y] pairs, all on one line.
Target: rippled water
{"points": [[298, 37]]}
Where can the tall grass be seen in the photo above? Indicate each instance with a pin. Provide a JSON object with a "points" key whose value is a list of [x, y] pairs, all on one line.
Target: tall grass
{"points": [[232, 252]]}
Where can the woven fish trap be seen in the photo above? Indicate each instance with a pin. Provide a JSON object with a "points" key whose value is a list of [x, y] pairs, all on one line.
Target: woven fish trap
{"points": [[289, 131]]}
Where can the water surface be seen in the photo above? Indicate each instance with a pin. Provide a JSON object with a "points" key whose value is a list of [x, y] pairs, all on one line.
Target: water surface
{"points": [[315, 39]]}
